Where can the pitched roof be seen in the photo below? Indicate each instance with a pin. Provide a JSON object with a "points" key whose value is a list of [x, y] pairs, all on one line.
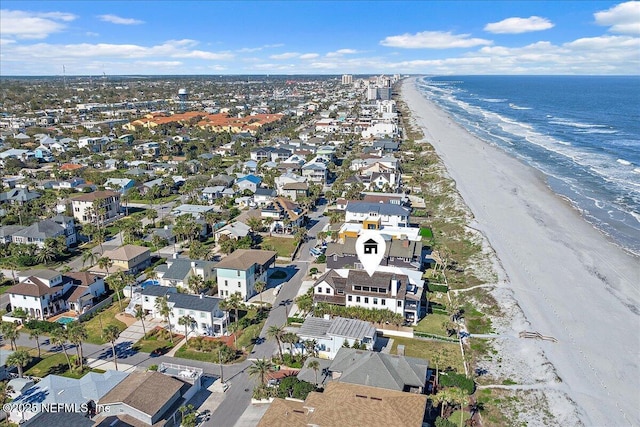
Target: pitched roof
{"points": [[379, 369], [243, 259], [347, 404], [126, 252], [181, 267], [96, 195], [147, 392], [193, 302], [41, 230], [380, 208]]}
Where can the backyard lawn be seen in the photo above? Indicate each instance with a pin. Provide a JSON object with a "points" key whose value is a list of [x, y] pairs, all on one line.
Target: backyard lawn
{"points": [[97, 323], [157, 339], [448, 354], [432, 324], [283, 245]]}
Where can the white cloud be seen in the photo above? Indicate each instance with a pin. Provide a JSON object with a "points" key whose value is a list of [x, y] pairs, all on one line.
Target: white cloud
{"points": [[433, 40], [519, 25], [115, 19], [286, 55], [160, 64], [201, 54], [309, 56], [341, 52], [91, 34], [32, 25], [258, 49], [623, 18]]}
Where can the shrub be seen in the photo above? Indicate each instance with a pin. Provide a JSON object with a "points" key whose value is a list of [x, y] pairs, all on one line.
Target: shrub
{"points": [[443, 422], [42, 325], [321, 259], [291, 386], [292, 361], [295, 320], [437, 288], [152, 368], [453, 379]]}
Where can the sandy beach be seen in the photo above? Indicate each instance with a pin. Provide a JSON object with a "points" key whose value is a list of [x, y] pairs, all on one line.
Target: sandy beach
{"points": [[566, 279]]}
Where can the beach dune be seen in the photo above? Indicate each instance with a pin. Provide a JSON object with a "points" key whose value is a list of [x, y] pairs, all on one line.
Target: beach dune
{"points": [[570, 281]]}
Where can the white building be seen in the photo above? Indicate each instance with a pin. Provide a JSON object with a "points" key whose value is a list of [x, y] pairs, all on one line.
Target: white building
{"points": [[380, 214], [239, 271], [83, 206], [332, 334]]}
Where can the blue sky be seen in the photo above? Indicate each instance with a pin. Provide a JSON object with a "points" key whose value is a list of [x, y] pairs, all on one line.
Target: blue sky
{"points": [[320, 37]]}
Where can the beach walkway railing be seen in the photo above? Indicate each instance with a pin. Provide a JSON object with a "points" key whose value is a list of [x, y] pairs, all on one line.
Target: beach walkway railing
{"points": [[536, 335]]}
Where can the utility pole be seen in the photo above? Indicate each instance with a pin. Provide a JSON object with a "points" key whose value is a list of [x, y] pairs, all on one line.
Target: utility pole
{"points": [[220, 362]]}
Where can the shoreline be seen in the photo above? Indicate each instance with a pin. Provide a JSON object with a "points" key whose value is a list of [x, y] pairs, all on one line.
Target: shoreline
{"points": [[570, 279]]}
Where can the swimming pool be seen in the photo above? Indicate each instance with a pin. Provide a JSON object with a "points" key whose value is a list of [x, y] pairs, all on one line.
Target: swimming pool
{"points": [[65, 320], [149, 283]]}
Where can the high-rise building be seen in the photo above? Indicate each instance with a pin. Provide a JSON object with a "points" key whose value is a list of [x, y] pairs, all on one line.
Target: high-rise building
{"points": [[347, 79]]}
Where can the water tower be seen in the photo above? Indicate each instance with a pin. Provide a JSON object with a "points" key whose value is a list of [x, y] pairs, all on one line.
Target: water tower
{"points": [[183, 97]]}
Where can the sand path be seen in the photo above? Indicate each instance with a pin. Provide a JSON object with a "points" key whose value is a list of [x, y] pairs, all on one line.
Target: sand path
{"points": [[569, 280]]}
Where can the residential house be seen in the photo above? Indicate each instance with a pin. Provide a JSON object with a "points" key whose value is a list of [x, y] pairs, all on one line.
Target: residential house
{"points": [[18, 196], [39, 232], [121, 185], [196, 211], [263, 196], [239, 271], [248, 182], [316, 170], [177, 271], [59, 390], [150, 398], [211, 194], [235, 230], [208, 318], [7, 232], [94, 144], [128, 258], [344, 404], [382, 370], [384, 290], [285, 215], [376, 215], [44, 293], [332, 334], [107, 201]]}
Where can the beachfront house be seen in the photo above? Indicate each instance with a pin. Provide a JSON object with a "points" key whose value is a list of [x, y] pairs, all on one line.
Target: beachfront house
{"points": [[377, 215], [332, 334]]}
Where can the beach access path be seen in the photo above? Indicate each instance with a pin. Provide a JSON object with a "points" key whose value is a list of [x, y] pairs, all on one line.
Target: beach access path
{"points": [[571, 282]]}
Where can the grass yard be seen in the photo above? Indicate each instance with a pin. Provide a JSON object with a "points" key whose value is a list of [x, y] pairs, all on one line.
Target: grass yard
{"points": [[432, 324], [97, 323], [153, 341], [283, 245], [55, 364], [448, 353]]}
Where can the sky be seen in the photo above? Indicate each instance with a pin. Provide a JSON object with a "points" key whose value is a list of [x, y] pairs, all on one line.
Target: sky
{"points": [[319, 37]]}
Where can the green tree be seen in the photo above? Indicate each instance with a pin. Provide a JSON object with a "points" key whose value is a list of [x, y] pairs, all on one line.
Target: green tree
{"points": [[77, 333], [195, 283], [19, 359], [186, 321], [276, 332], [260, 368], [111, 333], [10, 332], [315, 365], [105, 263], [89, 257], [140, 314], [260, 286], [117, 283], [162, 305], [59, 337], [34, 334]]}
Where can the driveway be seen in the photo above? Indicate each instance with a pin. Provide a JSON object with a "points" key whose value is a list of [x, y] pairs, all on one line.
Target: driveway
{"points": [[135, 332]]}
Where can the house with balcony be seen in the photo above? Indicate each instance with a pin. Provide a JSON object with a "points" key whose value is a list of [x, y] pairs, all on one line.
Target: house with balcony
{"points": [[285, 215], [107, 201], [208, 318], [239, 271], [39, 232], [121, 185], [177, 271], [316, 170], [377, 215], [44, 293], [385, 290]]}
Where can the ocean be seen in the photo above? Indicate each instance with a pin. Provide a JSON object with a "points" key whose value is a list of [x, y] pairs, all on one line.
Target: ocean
{"points": [[581, 132]]}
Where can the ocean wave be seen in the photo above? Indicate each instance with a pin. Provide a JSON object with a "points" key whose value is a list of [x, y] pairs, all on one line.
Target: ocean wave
{"points": [[493, 100], [517, 107], [636, 170], [571, 123], [624, 162]]}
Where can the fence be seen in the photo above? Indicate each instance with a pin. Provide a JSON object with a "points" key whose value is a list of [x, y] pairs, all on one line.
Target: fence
{"points": [[107, 301]]}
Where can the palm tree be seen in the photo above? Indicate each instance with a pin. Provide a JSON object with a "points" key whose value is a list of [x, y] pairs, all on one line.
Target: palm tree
{"points": [[5, 392], [255, 223], [260, 287], [310, 347], [290, 338], [111, 333], [267, 222], [233, 329], [260, 368], [59, 337], [459, 397], [19, 359], [195, 283], [276, 332], [11, 333], [162, 305], [151, 215], [90, 257], [77, 333], [186, 321], [315, 365], [234, 302], [440, 398], [104, 263], [34, 333], [140, 316], [116, 284]]}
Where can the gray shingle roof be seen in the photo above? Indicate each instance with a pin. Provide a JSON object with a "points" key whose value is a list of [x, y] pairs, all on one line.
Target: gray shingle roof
{"points": [[180, 268], [380, 208], [158, 291], [194, 302], [379, 369]]}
